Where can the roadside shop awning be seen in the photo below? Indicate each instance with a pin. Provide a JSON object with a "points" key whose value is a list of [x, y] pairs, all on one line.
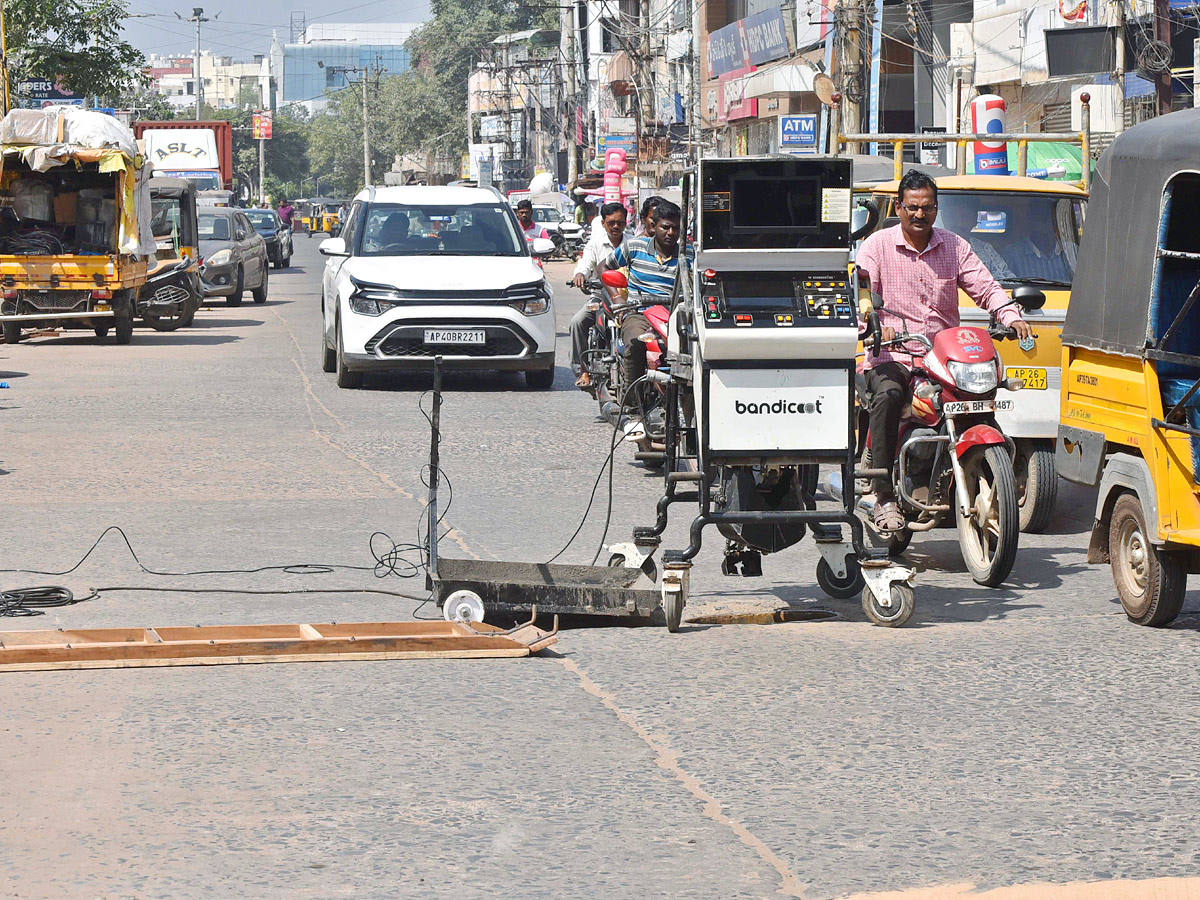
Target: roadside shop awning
{"points": [[780, 81]]}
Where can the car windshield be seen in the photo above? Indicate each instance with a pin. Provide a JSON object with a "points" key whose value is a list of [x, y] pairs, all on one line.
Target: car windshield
{"points": [[214, 228], [1021, 237], [546, 214], [261, 219], [393, 229]]}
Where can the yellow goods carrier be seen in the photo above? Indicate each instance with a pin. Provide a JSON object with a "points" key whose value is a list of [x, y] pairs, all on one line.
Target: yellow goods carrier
{"points": [[75, 239], [1130, 417]]}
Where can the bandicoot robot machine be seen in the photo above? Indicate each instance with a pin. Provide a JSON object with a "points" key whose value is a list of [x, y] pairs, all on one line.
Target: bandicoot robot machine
{"points": [[762, 344]]}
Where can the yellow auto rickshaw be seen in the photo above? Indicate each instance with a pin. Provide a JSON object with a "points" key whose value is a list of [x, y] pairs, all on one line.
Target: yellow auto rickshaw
{"points": [[331, 219], [171, 295], [1130, 415]]}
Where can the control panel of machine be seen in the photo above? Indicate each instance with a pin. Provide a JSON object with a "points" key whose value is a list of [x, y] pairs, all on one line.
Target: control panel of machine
{"points": [[776, 300]]}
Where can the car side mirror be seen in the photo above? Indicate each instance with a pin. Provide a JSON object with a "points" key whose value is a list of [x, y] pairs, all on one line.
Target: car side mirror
{"points": [[542, 247], [239, 235], [333, 247], [1028, 297], [614, 279]]}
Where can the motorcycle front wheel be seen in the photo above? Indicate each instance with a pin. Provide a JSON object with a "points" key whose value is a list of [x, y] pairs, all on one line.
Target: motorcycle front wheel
{"points": [[988, 535]]}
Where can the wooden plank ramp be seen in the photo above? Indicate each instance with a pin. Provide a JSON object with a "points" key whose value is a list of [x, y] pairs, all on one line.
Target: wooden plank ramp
{"points": [[212, 645]]}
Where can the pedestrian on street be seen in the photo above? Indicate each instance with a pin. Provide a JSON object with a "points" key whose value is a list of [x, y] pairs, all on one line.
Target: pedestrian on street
{"points": [[286, 211], [604, 240]]}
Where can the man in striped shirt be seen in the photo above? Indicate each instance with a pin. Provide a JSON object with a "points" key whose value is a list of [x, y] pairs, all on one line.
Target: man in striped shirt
{"points": [[653, 261]]}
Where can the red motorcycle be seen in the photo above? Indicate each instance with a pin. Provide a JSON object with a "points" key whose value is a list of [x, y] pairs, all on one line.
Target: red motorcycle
{"points": [[646, 428], [953, 459]]}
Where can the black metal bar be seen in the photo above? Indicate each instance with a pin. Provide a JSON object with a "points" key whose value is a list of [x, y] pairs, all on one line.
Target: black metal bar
{"points": [[1180, 404], [1183, 359], [1167, 426], [1179, 317], [435, 421]]}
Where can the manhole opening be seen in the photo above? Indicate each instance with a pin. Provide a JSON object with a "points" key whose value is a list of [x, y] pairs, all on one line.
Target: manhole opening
{"points": [[773, 617]]}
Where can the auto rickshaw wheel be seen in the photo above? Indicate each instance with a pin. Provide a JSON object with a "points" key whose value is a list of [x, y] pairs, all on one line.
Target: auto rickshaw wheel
{"points": [[12, 332], [123, 328], [1150, 582], [100, 331], [1037, 484]]}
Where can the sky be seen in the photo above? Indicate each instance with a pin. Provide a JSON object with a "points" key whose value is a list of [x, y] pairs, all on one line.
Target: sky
{"points": [[240, 29]]}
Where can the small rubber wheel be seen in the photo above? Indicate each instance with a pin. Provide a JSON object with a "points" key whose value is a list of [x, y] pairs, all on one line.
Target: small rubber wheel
{"points": [[260, 293], [840, 588], [12, 332], [539, 379], [903, 601], [101, 332], [616, 561], [672, 602], [123, 328], [1037, 484], [463, 606], [1150, 582], [345, 377], [328, 354], [235, 299]]}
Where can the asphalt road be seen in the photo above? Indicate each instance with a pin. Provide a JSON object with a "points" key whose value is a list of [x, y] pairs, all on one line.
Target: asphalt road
{"points": [[1006, 737]]}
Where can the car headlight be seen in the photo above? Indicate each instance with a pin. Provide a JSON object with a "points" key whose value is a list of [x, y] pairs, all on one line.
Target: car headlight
{"points": [[372, 299], [531, 300], [974, 378], [221, 257]]}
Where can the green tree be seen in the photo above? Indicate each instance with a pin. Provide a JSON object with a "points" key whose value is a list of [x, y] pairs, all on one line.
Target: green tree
{"points": [[76, 42]]}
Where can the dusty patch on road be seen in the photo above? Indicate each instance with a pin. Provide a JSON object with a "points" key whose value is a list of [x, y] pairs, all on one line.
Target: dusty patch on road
{"points": [[668, 759], [1150, 889]]}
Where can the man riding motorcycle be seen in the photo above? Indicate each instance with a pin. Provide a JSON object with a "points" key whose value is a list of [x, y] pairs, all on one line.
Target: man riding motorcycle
{"points": [[603, 241], [918, 270], [652, 261]]}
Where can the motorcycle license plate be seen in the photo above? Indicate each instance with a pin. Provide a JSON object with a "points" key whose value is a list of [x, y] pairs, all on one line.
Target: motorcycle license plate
{"points": [[1031, 379], [967, 407], [455, 336]]}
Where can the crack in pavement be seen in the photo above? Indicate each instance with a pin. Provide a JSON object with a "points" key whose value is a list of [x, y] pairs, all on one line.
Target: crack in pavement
{"points": [[668, 759]]}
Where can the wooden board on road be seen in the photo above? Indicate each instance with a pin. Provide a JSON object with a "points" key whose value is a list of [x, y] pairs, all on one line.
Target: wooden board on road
{"points": [[121, 648]]}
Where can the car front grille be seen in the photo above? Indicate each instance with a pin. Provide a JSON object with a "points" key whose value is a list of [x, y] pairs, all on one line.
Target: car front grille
{"points": [[408, 342]]}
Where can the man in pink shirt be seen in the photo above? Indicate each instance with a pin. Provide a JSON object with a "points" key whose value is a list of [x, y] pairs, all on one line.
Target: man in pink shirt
{"points": [[917, 269]]}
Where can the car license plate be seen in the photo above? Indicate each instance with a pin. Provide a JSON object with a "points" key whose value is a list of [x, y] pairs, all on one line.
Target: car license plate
{"points": [[102, 307], [968, 407], [1031, 379], [455, 336]]}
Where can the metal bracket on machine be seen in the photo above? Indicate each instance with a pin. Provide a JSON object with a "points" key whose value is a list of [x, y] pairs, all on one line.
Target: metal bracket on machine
{"points": [[881, 574]]}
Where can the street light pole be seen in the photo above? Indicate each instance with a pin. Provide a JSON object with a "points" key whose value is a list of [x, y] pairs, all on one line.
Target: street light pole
{"points": [[197, 16], [366, 72]]}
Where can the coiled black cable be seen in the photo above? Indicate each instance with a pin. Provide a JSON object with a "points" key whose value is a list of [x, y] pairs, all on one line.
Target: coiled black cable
{"points": [[34, 601]]}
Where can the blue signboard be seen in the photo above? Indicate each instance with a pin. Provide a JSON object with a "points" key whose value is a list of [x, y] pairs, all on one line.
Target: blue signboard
{"points": [[766, 36], [798, 134], [725, 51]]}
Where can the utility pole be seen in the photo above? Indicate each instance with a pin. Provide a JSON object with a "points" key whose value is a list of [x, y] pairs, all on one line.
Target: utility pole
{"points": [[1162, 33], [569, 14], [365, 73], [197, 16], [851, 66], [1119, 69]]}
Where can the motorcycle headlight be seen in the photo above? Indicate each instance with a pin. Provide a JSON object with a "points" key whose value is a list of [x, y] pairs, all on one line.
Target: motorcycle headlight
{"points": [[531, 300], [221, 257], [974, 378]]}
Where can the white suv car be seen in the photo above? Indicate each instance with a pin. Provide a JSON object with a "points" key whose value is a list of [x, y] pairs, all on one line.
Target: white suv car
{"points": [[420, 272]]}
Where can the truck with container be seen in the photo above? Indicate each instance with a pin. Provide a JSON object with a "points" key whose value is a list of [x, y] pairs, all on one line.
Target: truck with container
{"points": [[200, 152]]}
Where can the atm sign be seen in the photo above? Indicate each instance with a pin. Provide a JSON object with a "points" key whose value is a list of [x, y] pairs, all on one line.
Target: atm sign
{"points": [[798, 134]]}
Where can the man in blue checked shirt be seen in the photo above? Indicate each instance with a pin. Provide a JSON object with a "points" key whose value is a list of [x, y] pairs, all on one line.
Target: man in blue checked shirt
{"points": [[653, 261]]}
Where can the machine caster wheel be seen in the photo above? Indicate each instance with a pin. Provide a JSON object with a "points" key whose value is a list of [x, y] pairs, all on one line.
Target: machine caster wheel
{"points": [[649, 567], [903, 602], [673, 609], [751, 564], [463, 606], [729, 565], [841, 588]]}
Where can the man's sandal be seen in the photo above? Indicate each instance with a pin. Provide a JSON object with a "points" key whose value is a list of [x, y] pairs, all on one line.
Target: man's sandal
{"points": [[888, 517]]}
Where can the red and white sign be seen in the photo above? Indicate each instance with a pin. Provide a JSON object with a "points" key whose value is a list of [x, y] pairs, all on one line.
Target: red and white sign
{"points": [[261, 125]]}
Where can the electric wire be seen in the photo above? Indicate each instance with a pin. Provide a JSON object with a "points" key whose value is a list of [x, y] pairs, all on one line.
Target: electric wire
{"points": [[34, 601]]}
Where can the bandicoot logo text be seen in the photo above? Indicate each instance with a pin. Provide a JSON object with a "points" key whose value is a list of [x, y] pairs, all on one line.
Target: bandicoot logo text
{"points": [[779, 408]]}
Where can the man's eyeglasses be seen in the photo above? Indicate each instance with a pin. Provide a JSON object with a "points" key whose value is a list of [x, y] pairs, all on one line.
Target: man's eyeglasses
{"points": [[913, 210]]}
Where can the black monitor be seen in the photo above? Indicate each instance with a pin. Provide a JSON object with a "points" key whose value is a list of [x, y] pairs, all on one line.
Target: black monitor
{"points": [[775, 203]]}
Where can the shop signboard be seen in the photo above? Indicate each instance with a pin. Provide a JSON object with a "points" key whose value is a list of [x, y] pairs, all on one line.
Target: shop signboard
{"points": [[38, 93], [798, 134], [765, 36], [625, 142]]}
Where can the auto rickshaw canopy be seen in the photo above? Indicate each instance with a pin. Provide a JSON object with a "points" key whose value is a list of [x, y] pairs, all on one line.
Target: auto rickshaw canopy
{"points": [[1137, 262]]}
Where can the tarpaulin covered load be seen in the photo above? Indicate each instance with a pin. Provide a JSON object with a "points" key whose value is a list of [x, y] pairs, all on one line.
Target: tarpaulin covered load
{"points": [[47, 138]]}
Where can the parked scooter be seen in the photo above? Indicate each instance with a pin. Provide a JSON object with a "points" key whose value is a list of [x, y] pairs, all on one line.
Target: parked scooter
{"points": [[952, 456]]}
